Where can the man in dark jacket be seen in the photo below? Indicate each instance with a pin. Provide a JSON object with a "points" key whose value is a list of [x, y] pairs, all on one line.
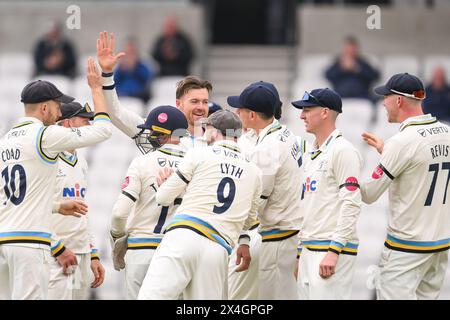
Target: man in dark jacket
{"points": [[437, 101], [173, 50], [350, 75]]}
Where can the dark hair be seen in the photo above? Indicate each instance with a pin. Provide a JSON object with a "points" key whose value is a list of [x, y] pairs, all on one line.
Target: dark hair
{"points": [[277, 113], [352, 40], [264, 116], [191, 82]]}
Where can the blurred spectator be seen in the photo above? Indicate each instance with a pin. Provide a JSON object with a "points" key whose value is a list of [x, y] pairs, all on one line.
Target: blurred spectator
{"points": [[350, 75], [437, 101], [54, 54], [213, 107], [173, 50], [133, 77]]}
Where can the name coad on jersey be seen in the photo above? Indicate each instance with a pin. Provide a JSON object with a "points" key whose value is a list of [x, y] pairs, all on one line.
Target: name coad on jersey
{"points": [[10, 154], [75, 192]]}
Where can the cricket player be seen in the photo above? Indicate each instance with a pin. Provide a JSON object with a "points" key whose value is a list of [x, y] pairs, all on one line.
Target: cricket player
{"points": [[243, 285], [73, 234], [29, 161], [144, 225], [222, 194], [415, 167], [192, 96], [278, 155], [330, 202]]}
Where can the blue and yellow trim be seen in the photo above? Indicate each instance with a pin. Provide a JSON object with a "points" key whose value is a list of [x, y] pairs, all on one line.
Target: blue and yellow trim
{"points": [[199, 226], [315, 154], [22, 124], [39, 149], [25, 237], [232, 148], [172, 152], [71, 161], [101, 116], [299, 252], [143, 243], [57, 249], [418, 123], [94, 254], [328, 245], [416, 246], [277, 235]]}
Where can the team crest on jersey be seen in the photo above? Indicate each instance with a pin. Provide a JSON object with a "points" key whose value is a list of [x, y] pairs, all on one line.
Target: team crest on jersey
{"points": [[216, 151], [377, 173], [125, 183]]}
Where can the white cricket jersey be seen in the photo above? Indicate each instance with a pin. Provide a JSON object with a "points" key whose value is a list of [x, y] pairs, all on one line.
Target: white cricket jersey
{"points": [[71, 181], [145, 224], [29, 153], [279, 157], [331, 196], [415, 166], [223, 191], [127, 121]]}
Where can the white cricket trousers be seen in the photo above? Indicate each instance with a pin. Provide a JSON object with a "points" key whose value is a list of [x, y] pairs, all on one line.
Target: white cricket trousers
{"points": [[189, 264], [311, 286], [24, 272], [277, 263], [136, 265], [74, 286], [410, 276], [244, 285]]}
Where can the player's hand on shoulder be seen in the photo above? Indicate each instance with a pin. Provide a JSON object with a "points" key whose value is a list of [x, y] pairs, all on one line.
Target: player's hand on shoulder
{"points": [[76, 208], [374, 141], [163, 175], [68, 261]]}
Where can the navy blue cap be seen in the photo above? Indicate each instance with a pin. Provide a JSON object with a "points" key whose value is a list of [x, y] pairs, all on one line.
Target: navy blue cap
{"points": [[255, 97], [213, 107], [325, 98], [75, 109], [272, 88], [404, 84], [165, 120], [41, 90]]}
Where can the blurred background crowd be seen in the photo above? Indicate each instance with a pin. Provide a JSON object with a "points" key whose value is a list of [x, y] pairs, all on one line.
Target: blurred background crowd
{"points": [[296, 44]]}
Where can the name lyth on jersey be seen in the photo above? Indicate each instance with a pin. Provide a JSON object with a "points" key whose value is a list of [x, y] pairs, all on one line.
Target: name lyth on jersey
{"points": [[74, 192], [230, 169]]}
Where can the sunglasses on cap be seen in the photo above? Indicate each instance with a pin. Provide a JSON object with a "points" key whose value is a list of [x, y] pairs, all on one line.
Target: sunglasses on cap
{"points": [[86, 109], [418, 95], [310, 98]]}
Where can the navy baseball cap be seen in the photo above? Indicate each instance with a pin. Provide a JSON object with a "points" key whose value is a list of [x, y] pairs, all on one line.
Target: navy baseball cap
{"points": [[404, 84], [165, 120], [255, 97], [213, 107], [41, 90], [272, 88], [325, 98], [75, 109]]}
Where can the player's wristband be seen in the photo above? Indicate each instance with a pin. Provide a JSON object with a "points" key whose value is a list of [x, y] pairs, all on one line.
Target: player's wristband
{"points": [[107, 74], [94, 255], [58, 249], [244, 239]]}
